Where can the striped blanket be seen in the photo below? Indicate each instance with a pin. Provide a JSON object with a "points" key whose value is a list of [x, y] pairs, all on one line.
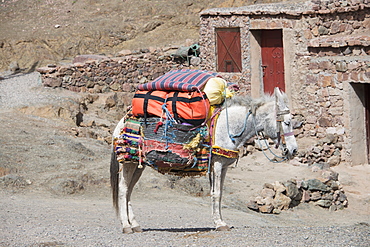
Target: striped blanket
{"points": [[186, 80]]}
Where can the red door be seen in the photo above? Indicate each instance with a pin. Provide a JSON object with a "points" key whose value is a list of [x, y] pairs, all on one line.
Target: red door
{"points": [[228, 50], [272, 60]]}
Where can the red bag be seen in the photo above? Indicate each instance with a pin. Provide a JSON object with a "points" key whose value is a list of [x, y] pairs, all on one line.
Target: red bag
{"points": [[188, 107]]}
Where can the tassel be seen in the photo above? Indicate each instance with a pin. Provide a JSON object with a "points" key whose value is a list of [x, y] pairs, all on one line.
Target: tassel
{"points": [[159, 124]]}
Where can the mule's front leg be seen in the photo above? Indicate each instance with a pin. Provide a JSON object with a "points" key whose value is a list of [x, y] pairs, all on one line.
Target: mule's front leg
{"points": [[217, 178]]}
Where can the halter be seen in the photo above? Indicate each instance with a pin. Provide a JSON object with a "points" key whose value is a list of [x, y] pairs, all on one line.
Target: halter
{"points": [[280, 135], [279, 127]]}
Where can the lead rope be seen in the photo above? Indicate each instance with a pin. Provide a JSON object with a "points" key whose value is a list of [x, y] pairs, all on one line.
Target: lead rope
{"points": [[268, 147]]}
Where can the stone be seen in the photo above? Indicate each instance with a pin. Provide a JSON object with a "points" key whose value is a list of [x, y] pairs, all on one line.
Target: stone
{"points": [[330, 138], [316, 185], [52, 82], [259, 200], [267, 193], [267, 200], [341, 66], [335, 27], [334, 160], [330, 175], [305, 196], [281, 201], [333, 208], [124, 53], [13, 66], [115, 87], [325, 122], [327, 196], [46, 70], [195, 61], [276, 211], [323, 30], [334, 185], [267, 209], [291, 189], [314, 196], [261, 144], [278, 187], [323, 203], [341, 197], [253, 205], [268, 186]]}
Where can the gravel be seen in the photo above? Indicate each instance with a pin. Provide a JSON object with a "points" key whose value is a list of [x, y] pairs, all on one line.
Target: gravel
{"points": [[23, 90], [82, 221]]}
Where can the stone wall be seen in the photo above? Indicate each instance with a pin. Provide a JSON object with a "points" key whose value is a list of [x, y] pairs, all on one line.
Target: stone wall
{"points": [[102, 74], [327, 49]]}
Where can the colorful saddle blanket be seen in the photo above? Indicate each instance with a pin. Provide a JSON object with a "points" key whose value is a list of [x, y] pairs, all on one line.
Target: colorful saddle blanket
{"points": [[167, 147]]}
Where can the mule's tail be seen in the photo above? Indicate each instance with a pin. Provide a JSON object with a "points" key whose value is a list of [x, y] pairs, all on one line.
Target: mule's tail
{"points": [[114, 169]]}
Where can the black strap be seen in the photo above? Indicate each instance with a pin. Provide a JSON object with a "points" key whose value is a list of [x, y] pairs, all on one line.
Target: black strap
{"points": [[145, 105], [174, 108]]}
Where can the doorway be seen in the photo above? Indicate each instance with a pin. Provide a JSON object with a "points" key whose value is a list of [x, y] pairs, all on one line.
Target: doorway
{"points": [[359, 103], [367, 118], [272, 54]]}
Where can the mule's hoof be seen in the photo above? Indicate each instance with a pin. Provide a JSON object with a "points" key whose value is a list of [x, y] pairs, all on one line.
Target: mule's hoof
{"points": [[127, 230], [137, 229], [223, 228]]}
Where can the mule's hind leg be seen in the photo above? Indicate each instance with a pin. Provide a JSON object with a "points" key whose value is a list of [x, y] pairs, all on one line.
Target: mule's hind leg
{"points": [[126, 176], [134, 225], [217, 178]]}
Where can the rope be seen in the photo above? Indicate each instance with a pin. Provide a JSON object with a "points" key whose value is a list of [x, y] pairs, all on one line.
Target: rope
{"points": [[168, 123], [268, 147], [232, 137]]}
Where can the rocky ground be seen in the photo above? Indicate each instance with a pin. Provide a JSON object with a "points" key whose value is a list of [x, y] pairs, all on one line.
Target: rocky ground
{"points": [[55, 187]]}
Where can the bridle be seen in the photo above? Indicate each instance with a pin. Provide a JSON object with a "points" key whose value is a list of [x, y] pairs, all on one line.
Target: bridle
{"points": [[280, 133], [279, 127], [280, 137]]}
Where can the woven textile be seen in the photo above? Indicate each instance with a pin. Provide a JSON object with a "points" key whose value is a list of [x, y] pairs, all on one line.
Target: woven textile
{"points": [[231, 154], [180, 80], [170, 149], [127, 145]]}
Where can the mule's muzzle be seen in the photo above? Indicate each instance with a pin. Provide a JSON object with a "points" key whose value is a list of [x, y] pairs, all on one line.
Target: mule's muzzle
{"points": [[289, 154]]}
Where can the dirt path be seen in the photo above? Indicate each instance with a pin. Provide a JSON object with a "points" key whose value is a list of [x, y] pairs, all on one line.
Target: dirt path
{"points": [[55, 191]]}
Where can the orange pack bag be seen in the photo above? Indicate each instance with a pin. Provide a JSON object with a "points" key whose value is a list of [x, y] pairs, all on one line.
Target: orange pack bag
{"points": [[185, 107]]}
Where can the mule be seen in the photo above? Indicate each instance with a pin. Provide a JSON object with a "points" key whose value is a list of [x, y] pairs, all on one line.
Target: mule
{"points": [[241, 119]]}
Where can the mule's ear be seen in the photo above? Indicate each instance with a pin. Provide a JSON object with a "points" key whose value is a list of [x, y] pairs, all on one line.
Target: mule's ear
{"points": [[279, 98], [277, 92]]}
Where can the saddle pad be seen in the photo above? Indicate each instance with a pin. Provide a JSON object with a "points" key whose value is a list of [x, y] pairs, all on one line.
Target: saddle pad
{"points": [[179, 80]]}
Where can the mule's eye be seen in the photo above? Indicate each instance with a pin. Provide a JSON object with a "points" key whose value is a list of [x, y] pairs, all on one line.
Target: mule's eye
{"points": [[287, 123]]}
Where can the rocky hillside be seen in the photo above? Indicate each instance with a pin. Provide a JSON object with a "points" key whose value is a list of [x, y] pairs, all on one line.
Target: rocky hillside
{"points": [[36, 33]]}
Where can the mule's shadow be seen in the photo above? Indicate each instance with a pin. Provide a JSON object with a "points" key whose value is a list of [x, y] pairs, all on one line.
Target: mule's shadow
{"points": [[196, 229]]}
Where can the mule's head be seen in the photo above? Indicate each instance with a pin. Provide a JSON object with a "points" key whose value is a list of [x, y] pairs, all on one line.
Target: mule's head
{"points": [[284, 126]]}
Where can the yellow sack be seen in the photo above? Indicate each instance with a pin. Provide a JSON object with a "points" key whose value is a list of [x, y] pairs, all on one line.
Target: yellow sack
{"points": [[215, 90]]}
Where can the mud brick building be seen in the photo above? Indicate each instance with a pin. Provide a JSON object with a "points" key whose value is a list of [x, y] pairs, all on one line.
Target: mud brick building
{"points": [[317, 51]]}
